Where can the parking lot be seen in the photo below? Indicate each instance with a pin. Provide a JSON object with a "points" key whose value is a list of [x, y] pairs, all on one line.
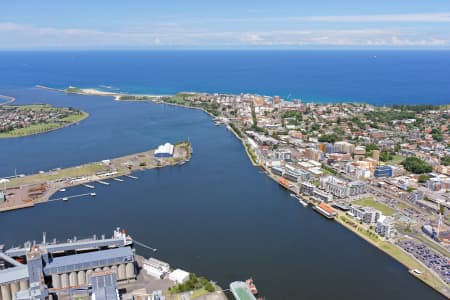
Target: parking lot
{"points": [[433, 260]]}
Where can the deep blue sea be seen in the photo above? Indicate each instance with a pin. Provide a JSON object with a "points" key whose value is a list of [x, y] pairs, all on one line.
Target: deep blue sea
{"points": [[218, 215], [378, 76]]}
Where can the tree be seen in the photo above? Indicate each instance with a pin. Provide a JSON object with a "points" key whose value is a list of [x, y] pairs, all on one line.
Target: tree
{"points": [[416, 165], [445, 160], [423, 178], [385, 155], [328, 138]]}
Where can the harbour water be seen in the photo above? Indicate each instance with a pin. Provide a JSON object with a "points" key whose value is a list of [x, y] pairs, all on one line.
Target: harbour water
{"points": [[217, 216]]}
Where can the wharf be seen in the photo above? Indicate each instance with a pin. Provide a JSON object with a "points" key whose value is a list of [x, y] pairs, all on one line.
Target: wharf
{"points": [[26, 191]]}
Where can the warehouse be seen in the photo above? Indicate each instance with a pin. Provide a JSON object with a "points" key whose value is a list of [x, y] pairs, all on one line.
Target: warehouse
{"points": [[165, 150]]}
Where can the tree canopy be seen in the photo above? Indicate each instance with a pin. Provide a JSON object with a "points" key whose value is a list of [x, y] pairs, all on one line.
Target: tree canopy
{"points": [[416, 165]]}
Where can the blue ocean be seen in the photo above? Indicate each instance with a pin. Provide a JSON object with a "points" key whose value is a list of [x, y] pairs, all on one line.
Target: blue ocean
{"points": [[377, 77]]}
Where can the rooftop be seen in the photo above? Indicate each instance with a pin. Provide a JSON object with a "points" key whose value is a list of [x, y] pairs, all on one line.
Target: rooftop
{"points": [[89, 260], [13, 274]]}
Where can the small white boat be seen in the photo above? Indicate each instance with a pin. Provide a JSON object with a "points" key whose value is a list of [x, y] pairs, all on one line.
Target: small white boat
{"points": [[415, 271], [62, 190], [65, 199], [93, 194], [301, 201]]}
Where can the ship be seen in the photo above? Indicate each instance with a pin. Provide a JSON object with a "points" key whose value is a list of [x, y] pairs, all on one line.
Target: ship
{"points": [[252, 287], [325, 210], [300, 200], [244, 290], [285, 183]]}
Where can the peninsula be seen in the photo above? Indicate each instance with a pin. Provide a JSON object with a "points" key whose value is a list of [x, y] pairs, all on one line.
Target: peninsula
{"points": [[381, 172], [24, 120], [28, 190]]}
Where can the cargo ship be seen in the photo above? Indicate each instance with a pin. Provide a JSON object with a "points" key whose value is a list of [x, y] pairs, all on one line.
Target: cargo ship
{"points": [[325, 210]]}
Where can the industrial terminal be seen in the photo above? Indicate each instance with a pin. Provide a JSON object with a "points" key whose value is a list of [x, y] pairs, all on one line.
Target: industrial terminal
{"points": [[97, 268]]}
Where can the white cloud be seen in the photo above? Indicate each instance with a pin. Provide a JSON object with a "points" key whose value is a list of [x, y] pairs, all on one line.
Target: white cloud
{"points": [[437, 17], [14, 36], [426, 17], [251, 38]]}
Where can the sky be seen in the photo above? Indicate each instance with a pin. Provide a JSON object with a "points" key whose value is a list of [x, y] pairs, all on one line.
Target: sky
{"points": [[231, 24]]}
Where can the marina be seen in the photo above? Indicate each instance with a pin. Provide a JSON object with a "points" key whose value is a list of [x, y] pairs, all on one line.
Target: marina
{"points": [[25, 191]]}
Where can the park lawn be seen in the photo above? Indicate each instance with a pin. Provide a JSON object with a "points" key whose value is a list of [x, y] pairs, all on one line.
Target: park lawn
{"points": [[384, 209], [84, 170], [30, 130]]}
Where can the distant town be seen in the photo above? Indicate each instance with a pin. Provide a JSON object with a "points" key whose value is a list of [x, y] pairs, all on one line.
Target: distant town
{"points": [[22, 120]]}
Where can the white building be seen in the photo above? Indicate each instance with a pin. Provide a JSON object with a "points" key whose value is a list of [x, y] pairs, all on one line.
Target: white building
{"points": [[385, 226], [179, 276], [165, 150], [365, 214], [156, 268]]}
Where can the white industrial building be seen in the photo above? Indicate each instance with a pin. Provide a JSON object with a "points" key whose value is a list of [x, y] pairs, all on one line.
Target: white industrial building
{"points": [[165, 150], [156, 268], [179, 276]]}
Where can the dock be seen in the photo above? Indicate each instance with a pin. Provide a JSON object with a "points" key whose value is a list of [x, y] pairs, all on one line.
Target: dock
{"points": [[103, 182], [70, 197], [88, 186], [131, 176], [118, 179]]}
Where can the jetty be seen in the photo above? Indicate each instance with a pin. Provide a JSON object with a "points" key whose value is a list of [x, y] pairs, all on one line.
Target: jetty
{"points": [[103, 182]]}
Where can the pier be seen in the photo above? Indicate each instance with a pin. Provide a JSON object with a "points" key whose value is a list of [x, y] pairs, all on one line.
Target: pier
{"points": [[88, 186], [71, 197], [103, 182]]}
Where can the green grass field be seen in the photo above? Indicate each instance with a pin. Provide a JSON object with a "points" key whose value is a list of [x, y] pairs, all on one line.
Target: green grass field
{"points": [[369, 202], [84, 170]]}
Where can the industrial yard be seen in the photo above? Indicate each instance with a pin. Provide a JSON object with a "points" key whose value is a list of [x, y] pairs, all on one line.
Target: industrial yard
{"points": [[21, 191], [101, 268]]}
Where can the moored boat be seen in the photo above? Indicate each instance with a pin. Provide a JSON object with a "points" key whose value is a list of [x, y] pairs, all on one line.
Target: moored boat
{"points": [[325, 210]]}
